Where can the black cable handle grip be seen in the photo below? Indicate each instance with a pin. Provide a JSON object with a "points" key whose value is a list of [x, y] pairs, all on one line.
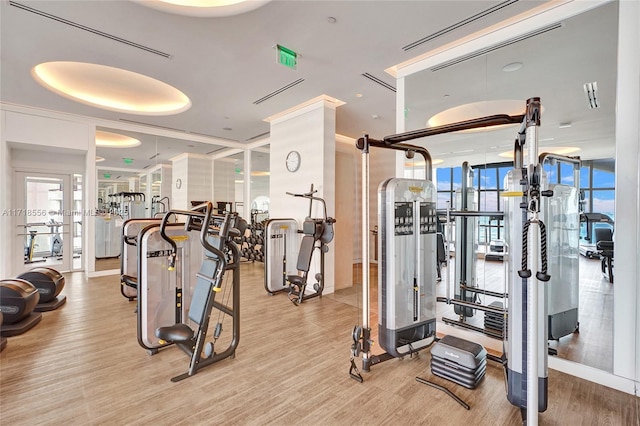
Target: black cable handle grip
{"points": [[542, 275], [525, 272]]}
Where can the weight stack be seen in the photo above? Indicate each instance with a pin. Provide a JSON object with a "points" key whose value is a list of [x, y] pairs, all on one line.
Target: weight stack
{"points": [[492, 320], [459, 361]]}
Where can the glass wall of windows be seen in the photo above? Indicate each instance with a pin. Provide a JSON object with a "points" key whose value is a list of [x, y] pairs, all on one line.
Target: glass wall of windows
{"points": [[597, 179]]}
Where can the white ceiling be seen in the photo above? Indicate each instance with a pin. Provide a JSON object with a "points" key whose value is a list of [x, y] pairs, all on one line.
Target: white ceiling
{"points": [[224, 64]]}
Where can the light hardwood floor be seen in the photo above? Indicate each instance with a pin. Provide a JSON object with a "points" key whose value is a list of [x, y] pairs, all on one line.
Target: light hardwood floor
{"points": [[82, 365]]}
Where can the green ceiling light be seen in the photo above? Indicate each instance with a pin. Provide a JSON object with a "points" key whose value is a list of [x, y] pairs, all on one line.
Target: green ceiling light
{"points": [[107, 175], [237, 170], [128, 160], [286, 57]]}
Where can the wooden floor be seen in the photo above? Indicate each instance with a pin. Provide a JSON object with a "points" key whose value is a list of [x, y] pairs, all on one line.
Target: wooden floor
{"points": [[592, 345], [82, 365]]}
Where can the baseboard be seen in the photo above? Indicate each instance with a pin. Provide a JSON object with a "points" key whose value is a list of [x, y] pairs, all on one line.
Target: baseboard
{"points": [[106, 273], [594, 375]]}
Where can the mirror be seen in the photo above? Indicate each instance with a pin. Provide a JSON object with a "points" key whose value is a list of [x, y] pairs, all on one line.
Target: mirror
{"points": [[228, 184], [135, 182], [555, 65], [260, 185]]}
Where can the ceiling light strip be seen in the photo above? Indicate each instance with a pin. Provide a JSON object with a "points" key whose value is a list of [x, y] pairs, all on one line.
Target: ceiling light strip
{"points": [[458, 25], [89, 29], [498, 46], [277, 92], [380, 82]]}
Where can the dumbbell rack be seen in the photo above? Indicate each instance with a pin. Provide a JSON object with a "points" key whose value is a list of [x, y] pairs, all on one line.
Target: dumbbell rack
{"points": [[252, 242]]}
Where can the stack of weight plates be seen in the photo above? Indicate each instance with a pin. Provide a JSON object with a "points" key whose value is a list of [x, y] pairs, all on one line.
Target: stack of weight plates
{"points": [[492, 320], [459, 360]]}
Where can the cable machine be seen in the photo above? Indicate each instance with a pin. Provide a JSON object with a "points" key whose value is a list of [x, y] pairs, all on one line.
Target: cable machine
{"points": [[526, 357]]}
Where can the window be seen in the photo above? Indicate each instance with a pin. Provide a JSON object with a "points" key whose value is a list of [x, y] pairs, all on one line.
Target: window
{"points": [[597, 183]]}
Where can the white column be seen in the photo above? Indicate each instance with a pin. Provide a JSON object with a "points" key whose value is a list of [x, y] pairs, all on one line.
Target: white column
{"points": [[310, 130], [626, 298], [192, 177]]}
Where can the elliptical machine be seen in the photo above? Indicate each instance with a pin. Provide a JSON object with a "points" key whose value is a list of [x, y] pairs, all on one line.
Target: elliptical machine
{"points": [[317, 234]]}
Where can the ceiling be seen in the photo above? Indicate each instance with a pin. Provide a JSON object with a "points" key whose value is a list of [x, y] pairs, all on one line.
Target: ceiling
{"points": [[226, 64], [555, 66]]}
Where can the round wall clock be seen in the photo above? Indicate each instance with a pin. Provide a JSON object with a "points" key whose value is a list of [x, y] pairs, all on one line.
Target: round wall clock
{"points": [[293, 161], [178, 183]]}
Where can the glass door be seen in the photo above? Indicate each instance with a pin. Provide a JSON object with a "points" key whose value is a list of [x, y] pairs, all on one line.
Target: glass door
{"points": [[44, 221]]}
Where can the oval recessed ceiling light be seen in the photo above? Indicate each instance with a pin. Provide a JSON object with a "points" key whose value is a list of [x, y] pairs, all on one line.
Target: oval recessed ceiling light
{"points": [[99, 159], [513, 66], [560, 150], [477, 110], [204, 8], [115, 140], [111, 88]]}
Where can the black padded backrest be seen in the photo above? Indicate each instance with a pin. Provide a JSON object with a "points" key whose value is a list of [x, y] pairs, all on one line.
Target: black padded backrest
{"points": [[306, 251], [327, 233], [603, 234], [440, 247], [203, 290]]}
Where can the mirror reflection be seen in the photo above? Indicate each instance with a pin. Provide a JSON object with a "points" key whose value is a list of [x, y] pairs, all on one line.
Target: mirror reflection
{"points": [[577, 87], [138, 182]]}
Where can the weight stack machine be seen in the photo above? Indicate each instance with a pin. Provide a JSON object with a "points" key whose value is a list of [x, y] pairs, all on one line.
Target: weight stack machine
{"points": [[282, 243], [465, 272], [526, 343], [561, 214], [399, 305], [407, 272]]}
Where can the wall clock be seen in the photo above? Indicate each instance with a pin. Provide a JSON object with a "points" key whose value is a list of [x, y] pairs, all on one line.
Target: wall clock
{"points": [[293, 161], [178, 183]]}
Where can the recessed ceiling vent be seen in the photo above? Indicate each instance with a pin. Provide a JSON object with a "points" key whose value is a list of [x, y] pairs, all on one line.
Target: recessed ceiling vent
{"points": [[215, 150], [152, 125], [261, 135], [591, 91], [379, 82], [498, 46], [457, 25], [277, 92], [89, 29], [154, 156]]}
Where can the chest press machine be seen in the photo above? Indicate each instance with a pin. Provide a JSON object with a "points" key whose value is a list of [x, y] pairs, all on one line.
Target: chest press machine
{"points": [[221, 255]]}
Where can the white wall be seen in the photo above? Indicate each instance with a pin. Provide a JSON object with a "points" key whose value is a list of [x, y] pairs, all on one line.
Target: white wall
{"points": [[224, 186], [196, 175], [42, 132]]}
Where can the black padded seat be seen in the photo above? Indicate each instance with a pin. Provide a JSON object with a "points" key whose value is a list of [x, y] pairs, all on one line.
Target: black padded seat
{"points": [[129, 280], [18, 298], [295, 279], [175, 333], [48, 281]]}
